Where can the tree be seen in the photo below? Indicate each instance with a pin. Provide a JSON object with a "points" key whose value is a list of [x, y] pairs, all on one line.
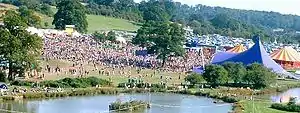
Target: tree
{"points": [[259, 76], [162, 39], [111, 36], [71, 12], [3, 77], [30, 17], [215, 75], [155, 10], [46, 24], [236, 71], [100, 36], [46, 9], [194, 78], [17, 46]]}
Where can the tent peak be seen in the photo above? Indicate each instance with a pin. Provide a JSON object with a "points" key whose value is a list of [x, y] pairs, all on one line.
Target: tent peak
{"points": [[256, 39]]}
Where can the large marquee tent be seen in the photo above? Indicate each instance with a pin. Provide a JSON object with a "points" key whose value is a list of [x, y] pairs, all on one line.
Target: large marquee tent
{"points": [[287, 57], [256, 54], [237, 49]]}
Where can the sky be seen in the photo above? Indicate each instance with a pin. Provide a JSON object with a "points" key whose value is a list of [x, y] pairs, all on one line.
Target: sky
{"points": [[282, 6]]}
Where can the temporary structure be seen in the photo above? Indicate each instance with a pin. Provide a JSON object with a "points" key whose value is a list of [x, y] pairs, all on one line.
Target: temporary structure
{"points": [[237, 49], [3, 87], [256, 54], [287, 57], [121, 39]]}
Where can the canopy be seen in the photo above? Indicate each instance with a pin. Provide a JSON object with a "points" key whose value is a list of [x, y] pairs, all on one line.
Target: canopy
{"points": [[256, 54], [237, 49], [286, 54], [221, 56], [198, 70]]}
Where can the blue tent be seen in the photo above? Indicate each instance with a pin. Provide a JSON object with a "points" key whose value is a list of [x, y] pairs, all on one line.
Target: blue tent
{"points": [[221, 56], [3, 86], [141, 52], [199, 69], [256, 54]]}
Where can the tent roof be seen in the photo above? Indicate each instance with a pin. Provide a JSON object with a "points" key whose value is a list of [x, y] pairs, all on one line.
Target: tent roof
{"points": [[3, 86], [257, 54], [221, 56], [286, 54], [237, 49], [121, 39]]}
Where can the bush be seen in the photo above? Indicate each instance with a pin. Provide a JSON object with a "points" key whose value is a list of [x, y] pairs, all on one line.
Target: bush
{"points": [[7, 98], [238, 107], [228, 99], [194, 79], [22, 83], [290, 108], [76, 82], [81, 92]]}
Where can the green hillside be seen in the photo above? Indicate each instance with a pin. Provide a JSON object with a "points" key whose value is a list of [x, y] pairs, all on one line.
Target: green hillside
{"points": [[98, 23]]}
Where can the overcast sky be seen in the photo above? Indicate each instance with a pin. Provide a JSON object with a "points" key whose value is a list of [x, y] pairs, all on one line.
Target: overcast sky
{"points": [[282, 6]]}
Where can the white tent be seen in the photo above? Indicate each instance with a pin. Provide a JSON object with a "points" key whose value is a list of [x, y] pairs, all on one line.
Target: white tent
{"points": [[33, 30], [76, 34], [3, 87], [121, 39]]}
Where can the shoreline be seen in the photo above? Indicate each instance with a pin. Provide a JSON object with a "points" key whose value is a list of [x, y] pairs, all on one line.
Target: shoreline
{"points": [[108, 91], [239, 105]]}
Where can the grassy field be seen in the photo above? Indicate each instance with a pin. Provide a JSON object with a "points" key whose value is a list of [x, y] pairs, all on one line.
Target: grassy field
{"points": [[260, 107], [116, 78], [100, 23]]}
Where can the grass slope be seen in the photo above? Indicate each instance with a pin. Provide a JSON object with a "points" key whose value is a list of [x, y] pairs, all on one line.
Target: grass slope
{"points": [[96, 22], [99, 23]]}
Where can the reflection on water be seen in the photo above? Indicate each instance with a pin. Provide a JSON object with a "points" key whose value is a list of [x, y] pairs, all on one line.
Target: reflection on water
{"points": [[161, 103], [285, 97]]}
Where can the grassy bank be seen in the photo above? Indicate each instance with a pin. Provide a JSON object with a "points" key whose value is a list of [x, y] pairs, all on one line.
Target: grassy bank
{"points": [[67, 83], [227, 99], [260, 106], [73, 92]]}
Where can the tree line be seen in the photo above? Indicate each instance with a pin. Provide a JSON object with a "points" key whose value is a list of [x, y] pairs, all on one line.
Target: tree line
{"points": [[234, 74], [203, 19], [42, 6]]}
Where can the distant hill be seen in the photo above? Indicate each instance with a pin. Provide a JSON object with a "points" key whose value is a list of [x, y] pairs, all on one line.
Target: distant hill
{"points": [[263, 19]]}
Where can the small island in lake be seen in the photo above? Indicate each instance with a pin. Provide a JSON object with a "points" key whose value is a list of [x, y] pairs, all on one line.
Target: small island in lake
{"points": [[128, 106]]}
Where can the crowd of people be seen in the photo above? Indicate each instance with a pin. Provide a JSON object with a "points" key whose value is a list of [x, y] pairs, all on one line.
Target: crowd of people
{"points": [[84, 49]]}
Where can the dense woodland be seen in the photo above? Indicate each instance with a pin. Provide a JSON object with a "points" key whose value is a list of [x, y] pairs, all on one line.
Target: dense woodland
{"points": [[203, 19]]}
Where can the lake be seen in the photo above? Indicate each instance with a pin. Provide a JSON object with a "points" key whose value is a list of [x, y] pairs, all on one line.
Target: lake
{"points": [[160, 103], [285, 96]]}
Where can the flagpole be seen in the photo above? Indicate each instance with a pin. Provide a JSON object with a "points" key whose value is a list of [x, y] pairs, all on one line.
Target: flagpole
{"points": [[202, 57]]}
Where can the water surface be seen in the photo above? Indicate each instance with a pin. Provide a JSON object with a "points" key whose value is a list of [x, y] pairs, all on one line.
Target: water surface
{"points": [[285, 96], [160, 103]]}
